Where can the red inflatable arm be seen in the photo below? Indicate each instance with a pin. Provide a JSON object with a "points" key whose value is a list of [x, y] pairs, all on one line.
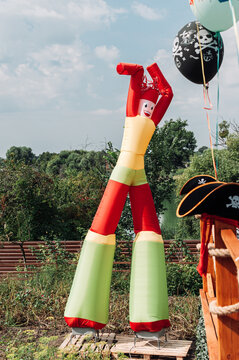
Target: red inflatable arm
{"points": [[164, 89], [136, 72], [128, 69]]}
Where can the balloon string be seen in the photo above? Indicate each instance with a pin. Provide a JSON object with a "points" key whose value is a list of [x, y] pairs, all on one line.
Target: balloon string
{"points": [[211, 145], [201, 57], [206, 97], [235, 27], [218, 98]]}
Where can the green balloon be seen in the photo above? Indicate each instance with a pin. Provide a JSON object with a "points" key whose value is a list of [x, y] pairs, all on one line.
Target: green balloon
{"points": [[215, 15]]}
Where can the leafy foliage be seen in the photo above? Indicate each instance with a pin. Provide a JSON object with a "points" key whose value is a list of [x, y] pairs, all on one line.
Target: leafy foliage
{"points": [[183, 279], [72, 162], [77, 199], [34, 204], [21, 154], [27, 203], [170, 149]]}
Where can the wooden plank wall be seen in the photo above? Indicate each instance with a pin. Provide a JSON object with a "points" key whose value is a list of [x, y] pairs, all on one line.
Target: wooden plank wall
{"points": [[11, 255]]}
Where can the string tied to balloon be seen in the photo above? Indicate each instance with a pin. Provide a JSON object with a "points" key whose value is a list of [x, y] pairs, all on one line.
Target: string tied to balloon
{"points": [[219, 39], [208, 104]]}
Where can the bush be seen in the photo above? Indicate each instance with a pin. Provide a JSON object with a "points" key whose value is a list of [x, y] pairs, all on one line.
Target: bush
{"points": [[183, 279]]}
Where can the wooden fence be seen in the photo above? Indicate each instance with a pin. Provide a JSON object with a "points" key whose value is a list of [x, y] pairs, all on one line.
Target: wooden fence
{"points": [[11, 254]]}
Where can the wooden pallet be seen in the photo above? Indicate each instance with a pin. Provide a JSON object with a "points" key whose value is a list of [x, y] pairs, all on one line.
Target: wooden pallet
{"points": [[86, 343], [113, 344]]}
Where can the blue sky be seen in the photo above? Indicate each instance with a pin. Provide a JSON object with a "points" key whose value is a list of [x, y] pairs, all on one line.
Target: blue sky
{"points": [[59, 88]]}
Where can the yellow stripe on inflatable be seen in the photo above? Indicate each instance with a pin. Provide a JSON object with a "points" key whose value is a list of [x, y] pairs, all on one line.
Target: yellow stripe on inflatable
{"points": [[141, 130], [100, 239], [131, 160], [148, 236]]}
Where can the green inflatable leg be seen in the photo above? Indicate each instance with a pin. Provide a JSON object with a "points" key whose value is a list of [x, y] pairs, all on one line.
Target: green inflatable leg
{"points": [[148, 284], [88, 302]]}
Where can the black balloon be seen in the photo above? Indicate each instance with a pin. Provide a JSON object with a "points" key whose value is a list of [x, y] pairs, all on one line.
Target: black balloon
{"points": [[186, 52]]}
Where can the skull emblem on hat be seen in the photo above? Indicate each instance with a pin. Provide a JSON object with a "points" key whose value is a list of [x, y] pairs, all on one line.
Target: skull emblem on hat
{"points": [[234, 202]]}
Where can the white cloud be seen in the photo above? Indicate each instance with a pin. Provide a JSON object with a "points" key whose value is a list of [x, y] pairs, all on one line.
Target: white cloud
{"points": [[51, 73], [82, 11], [108, 54], [94, 11], [162, 55], [41, 56], [40, 12], [57, 59], [101, 112], [147, 12], [28, 8]]}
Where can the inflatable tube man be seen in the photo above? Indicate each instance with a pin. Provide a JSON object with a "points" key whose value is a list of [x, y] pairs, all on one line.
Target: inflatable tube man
{"points": [[88, 301]]}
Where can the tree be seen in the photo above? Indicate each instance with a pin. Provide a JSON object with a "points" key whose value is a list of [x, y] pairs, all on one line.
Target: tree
{"points": [[2, 163], [72, 162], [202, 149], [223, 131], [77, 199], [43, 159], [27, 209], [27, 204], [173, 145], [20, 154], [170, 149]]}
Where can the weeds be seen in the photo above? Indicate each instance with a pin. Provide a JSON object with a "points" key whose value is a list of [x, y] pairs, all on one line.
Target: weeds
{"points": [[26, 347], [183, 315], [37, 301]]}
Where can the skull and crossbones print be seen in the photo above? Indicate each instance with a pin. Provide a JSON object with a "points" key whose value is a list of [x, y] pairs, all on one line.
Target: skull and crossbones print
{"points": [[188, 37], [201, 181], [234, 202], [205, 41], [177, 49], [177, 52]]}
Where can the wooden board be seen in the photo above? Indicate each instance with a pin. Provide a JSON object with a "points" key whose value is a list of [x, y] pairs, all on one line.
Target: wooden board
{"points": [[232, 244], [86, 343], [112, 344], [172, 348], [210, 327], [227, 292]]}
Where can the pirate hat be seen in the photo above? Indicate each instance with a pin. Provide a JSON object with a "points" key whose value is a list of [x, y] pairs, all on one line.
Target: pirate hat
{"points": [[213, 198], [196, 181]]}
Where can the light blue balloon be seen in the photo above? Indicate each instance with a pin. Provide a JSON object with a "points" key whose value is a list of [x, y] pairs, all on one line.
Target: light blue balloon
{"points": [[215, 15]]}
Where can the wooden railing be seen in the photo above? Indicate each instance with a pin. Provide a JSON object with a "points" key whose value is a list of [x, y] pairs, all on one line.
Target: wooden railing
{"points": [[11, 254], [220, 294]]}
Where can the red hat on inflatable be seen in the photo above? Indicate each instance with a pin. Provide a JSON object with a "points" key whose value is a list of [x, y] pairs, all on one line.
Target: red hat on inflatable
{"points": [[150, 94]]}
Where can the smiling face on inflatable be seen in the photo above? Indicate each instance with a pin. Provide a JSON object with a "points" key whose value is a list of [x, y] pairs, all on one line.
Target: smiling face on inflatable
{"points": [[148, 101], [215, 15], [146, 108]]}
